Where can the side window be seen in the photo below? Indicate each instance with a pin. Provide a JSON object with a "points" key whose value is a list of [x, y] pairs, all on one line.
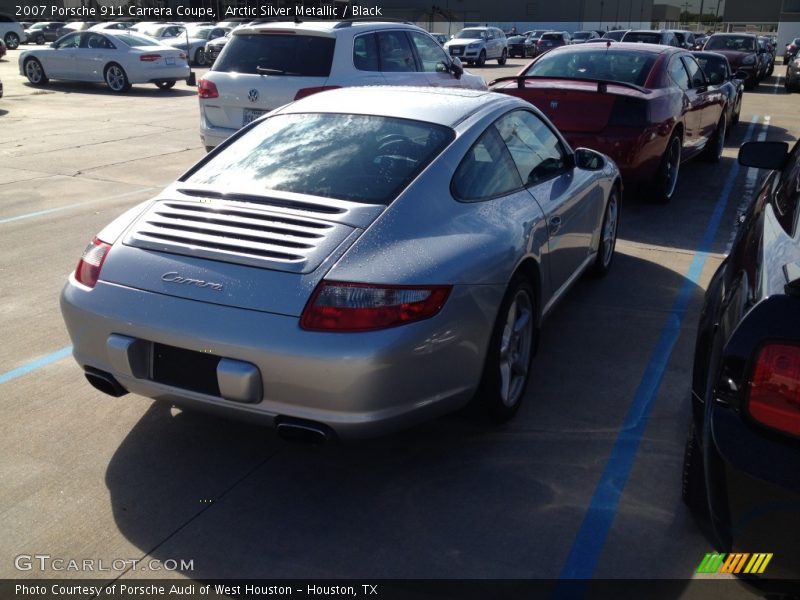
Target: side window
{"points": [[394, 52], [70, 41], [787, 192], [678, 74], [535, 149], [94, 41], [365, 53], [487, 170], [434, 58], [695, 72]]}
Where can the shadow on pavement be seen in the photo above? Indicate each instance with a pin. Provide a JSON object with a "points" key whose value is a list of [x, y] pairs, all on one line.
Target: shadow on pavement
{"points": [[139, 90], [450, 498]]}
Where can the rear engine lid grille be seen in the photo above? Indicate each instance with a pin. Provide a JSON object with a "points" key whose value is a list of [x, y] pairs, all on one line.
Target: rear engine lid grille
{"points": [[239, 233]]}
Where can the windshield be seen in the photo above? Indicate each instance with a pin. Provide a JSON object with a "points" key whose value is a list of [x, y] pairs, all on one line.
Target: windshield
{"points": [[471, 34], [366, 159], [731, 42], [200, 33], [581, 35], [624, 66]]}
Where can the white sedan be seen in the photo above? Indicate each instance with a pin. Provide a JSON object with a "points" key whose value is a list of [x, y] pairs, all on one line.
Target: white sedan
{"points": [[117, 58]]}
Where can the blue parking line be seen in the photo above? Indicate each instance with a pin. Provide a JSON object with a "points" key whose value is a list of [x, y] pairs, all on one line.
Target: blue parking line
{"points": [[39, 213], [40, 362], [590, 540]]}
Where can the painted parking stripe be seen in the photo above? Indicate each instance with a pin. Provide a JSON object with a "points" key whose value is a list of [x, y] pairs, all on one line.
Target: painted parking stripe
{"points": [[588, 544], [40, 362], [39, 213]]}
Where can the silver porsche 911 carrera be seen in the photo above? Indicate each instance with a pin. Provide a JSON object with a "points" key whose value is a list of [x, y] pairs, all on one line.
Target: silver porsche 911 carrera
{"points": [[349, 264]]}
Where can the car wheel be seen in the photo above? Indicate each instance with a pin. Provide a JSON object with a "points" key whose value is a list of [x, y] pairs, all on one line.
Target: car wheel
{"points": [[40, 39], [481, 58], [12, 40], [508, 359], [693, 485], [116, 79], [35, 72], [503, 58], [165, 85], [200, 58], [608, 236], [667, 177], [715, 146]]}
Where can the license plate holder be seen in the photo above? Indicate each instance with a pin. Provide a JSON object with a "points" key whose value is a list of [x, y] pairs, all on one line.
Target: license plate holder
{"points": [[169, 61], [251, 114]]}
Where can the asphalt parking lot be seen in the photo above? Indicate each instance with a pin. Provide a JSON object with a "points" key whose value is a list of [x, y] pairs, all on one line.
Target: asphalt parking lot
{"points": [[585, 482]]}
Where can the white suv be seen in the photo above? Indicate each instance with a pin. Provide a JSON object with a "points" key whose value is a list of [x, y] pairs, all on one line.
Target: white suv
{"points": [[479, 44], [266, 66], [11, 31]]}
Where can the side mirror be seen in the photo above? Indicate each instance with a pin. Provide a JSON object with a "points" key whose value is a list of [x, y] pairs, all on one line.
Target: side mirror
{"points": [[764, 155], [456, 68], [589, 160]]}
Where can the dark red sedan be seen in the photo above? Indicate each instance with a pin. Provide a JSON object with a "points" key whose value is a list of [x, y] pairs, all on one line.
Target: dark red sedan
{"points": [[648, 107]]}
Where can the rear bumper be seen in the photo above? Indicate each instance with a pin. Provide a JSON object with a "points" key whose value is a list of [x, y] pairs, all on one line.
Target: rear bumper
{"points": [[359, 385], [165, 73], [760, 503]]}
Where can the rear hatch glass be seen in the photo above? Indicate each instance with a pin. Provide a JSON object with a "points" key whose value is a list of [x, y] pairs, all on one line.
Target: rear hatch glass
{"points": [[278, 54]]}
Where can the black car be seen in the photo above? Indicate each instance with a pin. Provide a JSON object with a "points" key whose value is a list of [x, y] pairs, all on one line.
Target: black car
{"points": [[44, 31], [742, 457], [720, 76], [521, 45]]}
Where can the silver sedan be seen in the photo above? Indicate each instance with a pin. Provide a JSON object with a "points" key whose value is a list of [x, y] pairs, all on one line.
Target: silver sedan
{"points": [[349, 264]]}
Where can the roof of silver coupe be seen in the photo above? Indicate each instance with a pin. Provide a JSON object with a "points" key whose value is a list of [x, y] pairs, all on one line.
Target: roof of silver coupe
{"points": [[442, 106]]}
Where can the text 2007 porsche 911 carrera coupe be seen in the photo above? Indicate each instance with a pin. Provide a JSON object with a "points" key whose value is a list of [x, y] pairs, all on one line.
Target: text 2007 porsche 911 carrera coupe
{"points": [[351, 263]]}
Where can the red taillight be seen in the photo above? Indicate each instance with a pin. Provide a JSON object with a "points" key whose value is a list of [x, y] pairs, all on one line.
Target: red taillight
{"points": [[182, 55], [338, 306], [88, 270], [313, 90], [206, 89], [149, 57], [774, 394]]}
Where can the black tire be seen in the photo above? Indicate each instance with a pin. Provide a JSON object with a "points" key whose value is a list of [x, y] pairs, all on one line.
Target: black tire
{"points": [[11, 40], [116, 79], [40, 39], [666, 181], [608, 236], [693, 482], [34, 71], [165, 85], [713, 151], [200, 58], [508, 358], [481, 59], [502, 60]]}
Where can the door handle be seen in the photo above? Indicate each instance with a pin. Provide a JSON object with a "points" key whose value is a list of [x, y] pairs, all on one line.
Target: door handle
{"points": [[555, 225]]}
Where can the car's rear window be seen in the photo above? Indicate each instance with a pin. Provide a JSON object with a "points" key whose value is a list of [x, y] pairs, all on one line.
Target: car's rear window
{"points": [[731, 42], [642, 36], [471, 34], [552, 36], [281, 54], [626, 66], [368, 159]]}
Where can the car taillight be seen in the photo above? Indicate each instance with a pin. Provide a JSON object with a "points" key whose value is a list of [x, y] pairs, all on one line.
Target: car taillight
{"points": [[774, 394], [149, 57], [313, 90], [88, 270], [182, 55], [339, 306], [206, 89]]}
